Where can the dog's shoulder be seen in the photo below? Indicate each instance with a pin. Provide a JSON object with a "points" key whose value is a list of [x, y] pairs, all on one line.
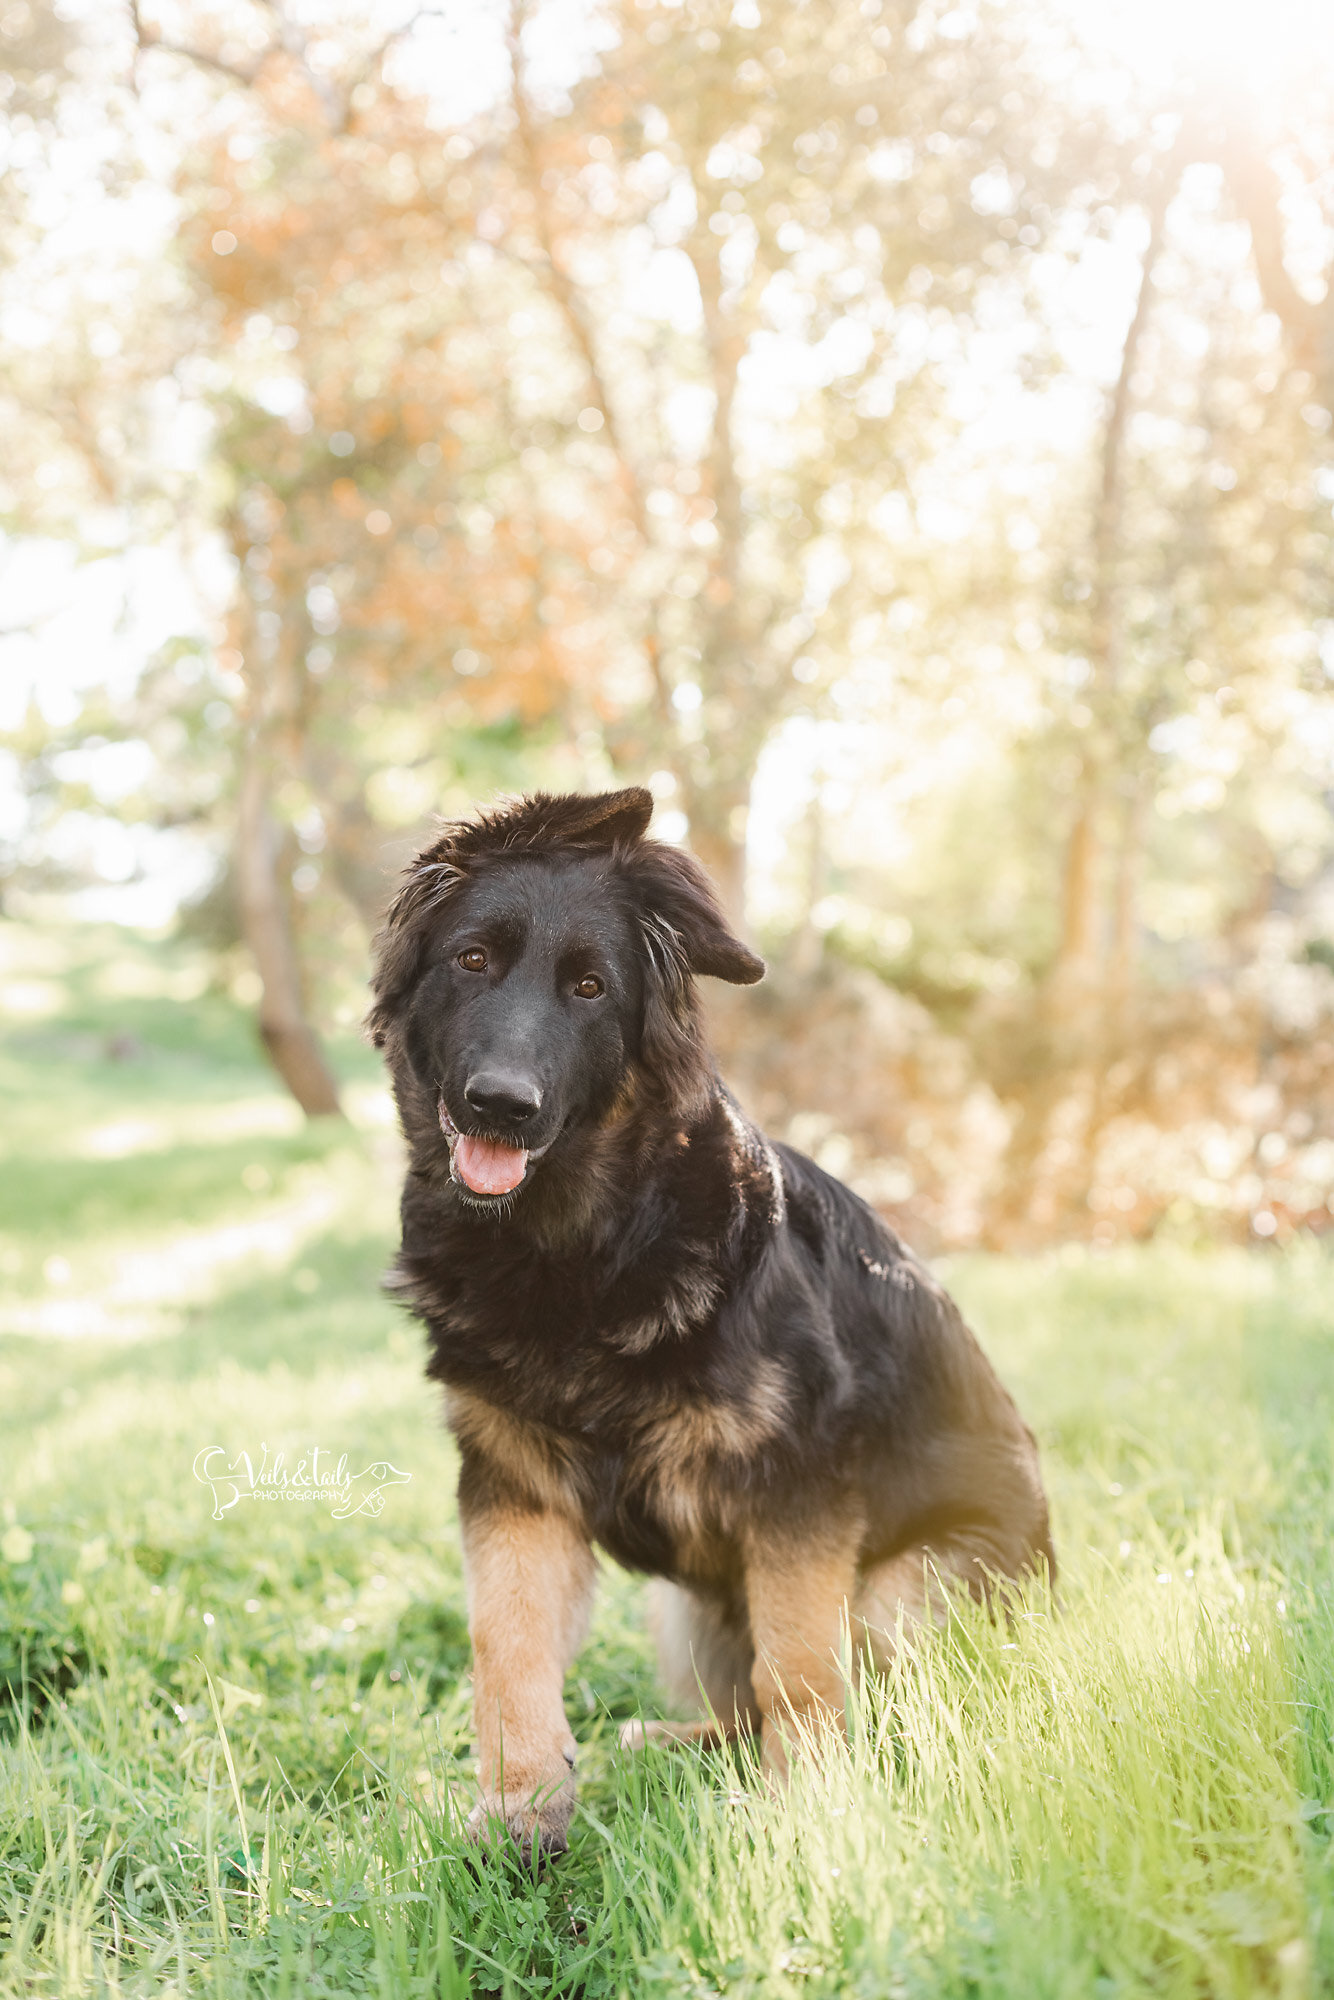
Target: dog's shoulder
{"points": [[838, 1228], [891, 1310]]}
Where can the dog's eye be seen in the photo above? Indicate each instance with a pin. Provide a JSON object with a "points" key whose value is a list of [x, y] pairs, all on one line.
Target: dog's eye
{"points": [[590, 988], [473, 961]]}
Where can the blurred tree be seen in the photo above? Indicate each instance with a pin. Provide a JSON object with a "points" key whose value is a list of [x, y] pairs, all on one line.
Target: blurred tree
{"points": [[399, 575], [1202, 593], [629, 529], [91, 335], [761, 249], [1169, 745], [1280, 170]]}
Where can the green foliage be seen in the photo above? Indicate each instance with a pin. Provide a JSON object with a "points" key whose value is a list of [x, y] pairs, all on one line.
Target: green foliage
{"points": [[42, 1647]]}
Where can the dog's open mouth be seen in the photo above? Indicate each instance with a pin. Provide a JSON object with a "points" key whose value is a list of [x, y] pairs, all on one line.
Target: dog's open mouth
{"points": [[487, 1167]]}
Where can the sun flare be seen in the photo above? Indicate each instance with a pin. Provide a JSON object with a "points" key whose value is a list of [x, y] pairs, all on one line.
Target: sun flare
{"points": [[1261, 49]]}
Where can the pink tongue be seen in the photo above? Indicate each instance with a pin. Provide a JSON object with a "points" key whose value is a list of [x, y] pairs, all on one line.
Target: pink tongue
{"points": [[488, 1167]]}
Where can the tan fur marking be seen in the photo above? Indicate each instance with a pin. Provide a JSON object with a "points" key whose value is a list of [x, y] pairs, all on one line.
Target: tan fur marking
{"points": [[624, 1103], [701, 1433], [898, 1597], [534, 1462], [530, 1587], [798, 1593], [685, 1304], [691, 1450]]}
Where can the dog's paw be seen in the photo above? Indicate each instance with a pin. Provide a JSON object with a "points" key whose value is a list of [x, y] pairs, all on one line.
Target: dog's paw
{"points": [[640, 1735], [705, 1734], [534, 1819]]}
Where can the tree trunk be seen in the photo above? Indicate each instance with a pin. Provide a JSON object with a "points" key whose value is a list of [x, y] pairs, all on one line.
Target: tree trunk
{"points": [[807, 950], [362, 859], [291, 1042], [1073, 979], [1125, 895], [1075, 971], [1065, 1098], [1258, 193], [714, 788], [718, 790]]}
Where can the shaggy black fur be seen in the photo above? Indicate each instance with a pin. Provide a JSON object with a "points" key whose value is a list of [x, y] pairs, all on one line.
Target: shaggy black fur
{"points": [[660, 1257]]}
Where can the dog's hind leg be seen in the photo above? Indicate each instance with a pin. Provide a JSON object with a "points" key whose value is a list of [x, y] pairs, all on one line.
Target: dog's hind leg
{"points": [[705, 1657], [896, 1598]]}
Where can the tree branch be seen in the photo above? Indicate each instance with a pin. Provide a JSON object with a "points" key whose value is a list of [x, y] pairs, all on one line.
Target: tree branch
{"points": [[1111, 493], [724, 350], [147, 39], [562, 286], [1075, 965], [1258, 193], [371, 62], [565, 294], [294, 43]]}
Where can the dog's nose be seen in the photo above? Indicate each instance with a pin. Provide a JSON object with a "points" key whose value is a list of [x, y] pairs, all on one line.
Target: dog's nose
{"points": [[501, 1095]]}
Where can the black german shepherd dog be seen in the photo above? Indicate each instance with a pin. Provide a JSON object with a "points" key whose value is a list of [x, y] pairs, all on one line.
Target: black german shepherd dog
{"points": [[656, 1331]]}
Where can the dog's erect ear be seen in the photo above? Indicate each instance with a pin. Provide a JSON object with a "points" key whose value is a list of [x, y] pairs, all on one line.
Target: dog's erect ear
{"points": [[544, 821], [602, 819], [676, 891]]}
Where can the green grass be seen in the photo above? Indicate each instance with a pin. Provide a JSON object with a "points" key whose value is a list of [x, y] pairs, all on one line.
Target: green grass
{"points": [[234, 1755]]}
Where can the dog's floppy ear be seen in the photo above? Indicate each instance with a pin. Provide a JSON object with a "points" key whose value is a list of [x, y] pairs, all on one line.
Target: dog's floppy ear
{"points": [[676, 891], [685, 933], [400, 944]]}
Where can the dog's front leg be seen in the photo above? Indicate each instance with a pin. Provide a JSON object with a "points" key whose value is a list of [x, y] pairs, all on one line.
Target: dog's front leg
{"points": [[530, 1585], [798, 1588]]}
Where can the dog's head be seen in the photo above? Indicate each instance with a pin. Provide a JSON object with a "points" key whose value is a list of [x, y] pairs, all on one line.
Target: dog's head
{"points": [[534, 960]]}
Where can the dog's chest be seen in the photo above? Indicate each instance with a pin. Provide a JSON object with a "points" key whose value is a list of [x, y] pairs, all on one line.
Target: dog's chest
{"points": [[532, 1319], [664, 1487]]}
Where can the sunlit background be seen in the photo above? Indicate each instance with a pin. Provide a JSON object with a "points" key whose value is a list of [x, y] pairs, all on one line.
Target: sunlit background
{"points": [[899, 434]]}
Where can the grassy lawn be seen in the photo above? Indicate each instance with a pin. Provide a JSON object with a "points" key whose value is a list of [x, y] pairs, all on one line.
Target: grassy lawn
{"points": [[234, 1753]]}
